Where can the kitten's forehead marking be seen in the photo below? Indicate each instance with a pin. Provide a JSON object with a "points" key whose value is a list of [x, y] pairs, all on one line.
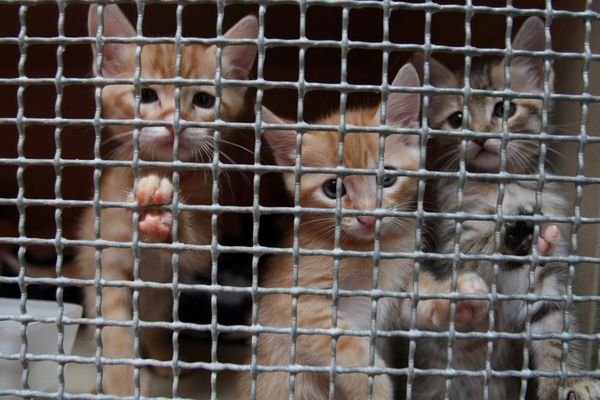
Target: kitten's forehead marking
{"points": [[361, 190], [158, 60], [361, 149]]}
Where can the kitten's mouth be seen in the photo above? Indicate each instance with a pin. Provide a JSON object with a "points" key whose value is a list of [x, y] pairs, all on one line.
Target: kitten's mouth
{"points": [[365, 229], [157, 144], [168, 140], [483, 153], [483, 156]]}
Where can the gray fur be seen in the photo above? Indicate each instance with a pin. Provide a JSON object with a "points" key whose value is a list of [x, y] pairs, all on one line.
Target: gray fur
{"points": [[479, 237]]}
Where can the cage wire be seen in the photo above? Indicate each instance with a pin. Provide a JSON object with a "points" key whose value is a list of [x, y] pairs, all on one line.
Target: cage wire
{"points": [[62, 359]]}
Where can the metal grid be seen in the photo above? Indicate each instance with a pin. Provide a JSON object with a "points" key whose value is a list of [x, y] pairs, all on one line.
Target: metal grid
{"points": [[21, 202]]}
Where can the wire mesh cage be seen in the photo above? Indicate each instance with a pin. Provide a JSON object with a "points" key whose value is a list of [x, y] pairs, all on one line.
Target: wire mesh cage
{"points": [[299, 199]]}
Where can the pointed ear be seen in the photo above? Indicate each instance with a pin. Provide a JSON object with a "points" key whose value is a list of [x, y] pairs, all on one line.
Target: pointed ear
{"points": [[528, 72], [281, 141], [403, 108], [439, 75], [115, 25], [238, 60]]}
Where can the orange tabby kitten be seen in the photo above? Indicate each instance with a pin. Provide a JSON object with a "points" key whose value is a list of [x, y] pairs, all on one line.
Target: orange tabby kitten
{"points": [[318, 190], [155, 187]]}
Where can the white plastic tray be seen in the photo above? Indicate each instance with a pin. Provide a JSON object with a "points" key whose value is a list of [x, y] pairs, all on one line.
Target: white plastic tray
{"points": [[42, 339]]}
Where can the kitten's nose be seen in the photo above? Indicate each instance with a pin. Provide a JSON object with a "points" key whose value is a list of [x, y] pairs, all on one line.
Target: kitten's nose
{"points": [[368, 221], [480, 141]]}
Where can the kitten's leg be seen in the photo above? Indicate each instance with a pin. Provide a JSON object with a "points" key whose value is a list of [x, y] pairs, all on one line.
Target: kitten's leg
{"points": [[156, 225], [156, 305], [315, 350], [116, 265], [117, 342], [548, 317], [351, 351], [547, 356], [470, 315]]}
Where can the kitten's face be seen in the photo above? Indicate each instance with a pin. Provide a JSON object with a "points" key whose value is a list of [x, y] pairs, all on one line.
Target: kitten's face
{"points": [[361, 151], [486, 113], [157, 101], [359, 192]]}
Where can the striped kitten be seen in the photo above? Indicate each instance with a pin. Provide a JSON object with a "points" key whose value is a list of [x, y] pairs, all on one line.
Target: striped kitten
{"points": [[157, 102], [318, 190], [478, 237]]}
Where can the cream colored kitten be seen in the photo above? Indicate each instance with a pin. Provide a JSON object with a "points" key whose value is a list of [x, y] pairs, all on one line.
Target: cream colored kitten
{"points": [[154, 186], [358, 193]]}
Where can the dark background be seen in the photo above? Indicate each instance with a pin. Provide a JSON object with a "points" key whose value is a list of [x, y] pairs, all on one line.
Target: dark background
{"points": [[282, 21]]}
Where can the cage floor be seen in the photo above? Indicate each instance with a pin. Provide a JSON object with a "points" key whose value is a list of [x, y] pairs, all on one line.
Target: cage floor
{"points": [[196, 384]]}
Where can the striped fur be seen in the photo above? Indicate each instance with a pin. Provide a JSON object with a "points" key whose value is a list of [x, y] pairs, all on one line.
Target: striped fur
{"points": [[154, 187], [478, 237], [361, 150]]}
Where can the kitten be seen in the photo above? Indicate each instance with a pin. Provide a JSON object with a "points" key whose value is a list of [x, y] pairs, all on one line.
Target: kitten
{"points": [[318, 190], [154, 188], [478, 237]]}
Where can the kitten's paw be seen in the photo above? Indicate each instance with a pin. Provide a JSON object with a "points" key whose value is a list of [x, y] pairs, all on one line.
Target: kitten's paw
{"points": [[118, 380], [582, 389], [519, 235], [471, 314], [154, 225]]}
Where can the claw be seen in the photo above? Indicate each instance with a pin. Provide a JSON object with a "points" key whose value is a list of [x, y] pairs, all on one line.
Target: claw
{"points": [[572, 396]]}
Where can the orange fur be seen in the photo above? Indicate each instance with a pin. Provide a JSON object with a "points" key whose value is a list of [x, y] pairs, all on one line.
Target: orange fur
{"points": [[156, 144], [361, 150]]}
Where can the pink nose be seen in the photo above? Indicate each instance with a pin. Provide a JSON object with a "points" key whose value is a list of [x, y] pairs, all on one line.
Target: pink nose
{"points": [[367, 221]]}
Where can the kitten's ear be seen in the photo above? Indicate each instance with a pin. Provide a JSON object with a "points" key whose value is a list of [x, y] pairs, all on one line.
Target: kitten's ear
{"points": [[403, 108], [281, 141], [238, 60], [116, 24], [528, 72], [439, 75]]}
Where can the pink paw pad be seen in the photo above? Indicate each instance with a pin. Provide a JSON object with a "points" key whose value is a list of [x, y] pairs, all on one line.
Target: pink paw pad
{"points": [[155, 191], [156, 224], [548, 235], [473, 312]]}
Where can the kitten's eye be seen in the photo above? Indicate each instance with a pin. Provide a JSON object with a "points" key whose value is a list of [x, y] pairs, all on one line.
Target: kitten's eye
{"points": [[455, 120], [499, 109], [329, 188], [148, 95], [203, 100], [389, 180]]}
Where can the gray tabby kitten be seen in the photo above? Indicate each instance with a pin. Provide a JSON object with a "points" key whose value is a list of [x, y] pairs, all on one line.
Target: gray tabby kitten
{"points": [[478, 237]]}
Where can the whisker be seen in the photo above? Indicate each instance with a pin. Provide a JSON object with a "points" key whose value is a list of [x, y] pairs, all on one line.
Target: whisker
{"points": [[236, 145]]}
